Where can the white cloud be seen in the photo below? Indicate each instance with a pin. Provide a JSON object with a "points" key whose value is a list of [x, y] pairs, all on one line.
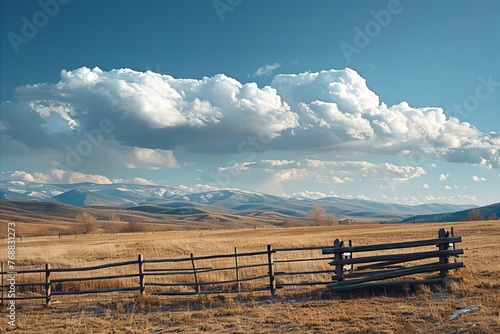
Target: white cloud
{"points": [[447, 187], [363, 197], [322, 171], [336, 179], [478, 179], [289, 174], [266, 70], [368, 169], [435, 199], [135, 180], [59, 176], [151, 159], [203, 188], [342, 113], [462, 199], [186, 188], [332, 179], [313, 194], [270, 174], [151, 110], [280, 162], [425, 186], [324, 111], [467, 199], [443, 177]]}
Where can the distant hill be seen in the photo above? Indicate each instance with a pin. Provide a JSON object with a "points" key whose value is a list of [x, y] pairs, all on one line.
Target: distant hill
{"points": [[482, 213], [172, 201]]}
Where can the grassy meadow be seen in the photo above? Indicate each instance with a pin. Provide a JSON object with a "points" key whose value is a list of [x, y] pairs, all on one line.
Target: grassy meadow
{"points": [[302, 310]]}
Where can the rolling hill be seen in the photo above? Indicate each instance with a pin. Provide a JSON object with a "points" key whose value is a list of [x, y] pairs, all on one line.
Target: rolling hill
{"points": [[233, 202]]}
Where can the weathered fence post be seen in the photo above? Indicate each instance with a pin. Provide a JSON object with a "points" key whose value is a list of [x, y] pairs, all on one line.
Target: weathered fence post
{"points": [[350, 255], [142, 281], [1, 285], [237, 269], [444, 246], [48, 285], [197, 287], [337, 245], [453, 246], [452, 234], [272, 286]]}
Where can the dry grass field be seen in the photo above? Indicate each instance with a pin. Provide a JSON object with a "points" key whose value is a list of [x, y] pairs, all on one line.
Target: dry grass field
{"points": [[305, 310]]}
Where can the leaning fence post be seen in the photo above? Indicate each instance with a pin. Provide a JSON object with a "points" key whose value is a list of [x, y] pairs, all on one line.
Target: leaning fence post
{"points": [[270, 262], [443, 246], [48, 285], [237, 269], [337, 244], [197, 287], [142, 282]]}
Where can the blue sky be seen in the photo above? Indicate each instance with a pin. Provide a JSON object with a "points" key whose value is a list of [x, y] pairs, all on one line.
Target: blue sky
{"points": [[395, 101]]}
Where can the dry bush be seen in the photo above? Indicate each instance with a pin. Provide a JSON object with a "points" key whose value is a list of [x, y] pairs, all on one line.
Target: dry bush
{"points": [[134, 227], [290, 222], [87, 222]]}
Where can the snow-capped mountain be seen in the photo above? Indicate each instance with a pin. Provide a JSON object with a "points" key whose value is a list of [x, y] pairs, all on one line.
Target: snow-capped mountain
{"points": [[176, 201]]}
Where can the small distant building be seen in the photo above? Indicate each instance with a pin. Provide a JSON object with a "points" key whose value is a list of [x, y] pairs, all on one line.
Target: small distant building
{"points": [[344, 221]]}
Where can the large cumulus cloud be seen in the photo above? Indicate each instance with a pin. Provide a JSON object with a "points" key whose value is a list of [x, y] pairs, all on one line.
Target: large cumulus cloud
{"points": [[151, 110], [324, 111], [339, 110]]}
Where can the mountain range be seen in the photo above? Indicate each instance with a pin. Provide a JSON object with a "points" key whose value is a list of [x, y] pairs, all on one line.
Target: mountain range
{"points": [[491, 211], [176, 202]]}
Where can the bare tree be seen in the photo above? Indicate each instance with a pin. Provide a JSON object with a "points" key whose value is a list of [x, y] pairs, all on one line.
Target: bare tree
{"points": [[87, 222], [316, 214], [473, 215], [115, 218], [332, 220]]}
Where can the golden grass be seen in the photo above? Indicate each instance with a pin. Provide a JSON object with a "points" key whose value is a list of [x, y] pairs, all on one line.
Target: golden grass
{"points": [[296, 310]]}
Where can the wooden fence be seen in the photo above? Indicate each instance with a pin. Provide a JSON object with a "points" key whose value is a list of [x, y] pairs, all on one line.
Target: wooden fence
{"points": [[379, 270], [236, 272]]}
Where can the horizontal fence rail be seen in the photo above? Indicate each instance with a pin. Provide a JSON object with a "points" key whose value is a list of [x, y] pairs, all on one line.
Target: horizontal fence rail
{"points": [[237, 272], [377, 268]]}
